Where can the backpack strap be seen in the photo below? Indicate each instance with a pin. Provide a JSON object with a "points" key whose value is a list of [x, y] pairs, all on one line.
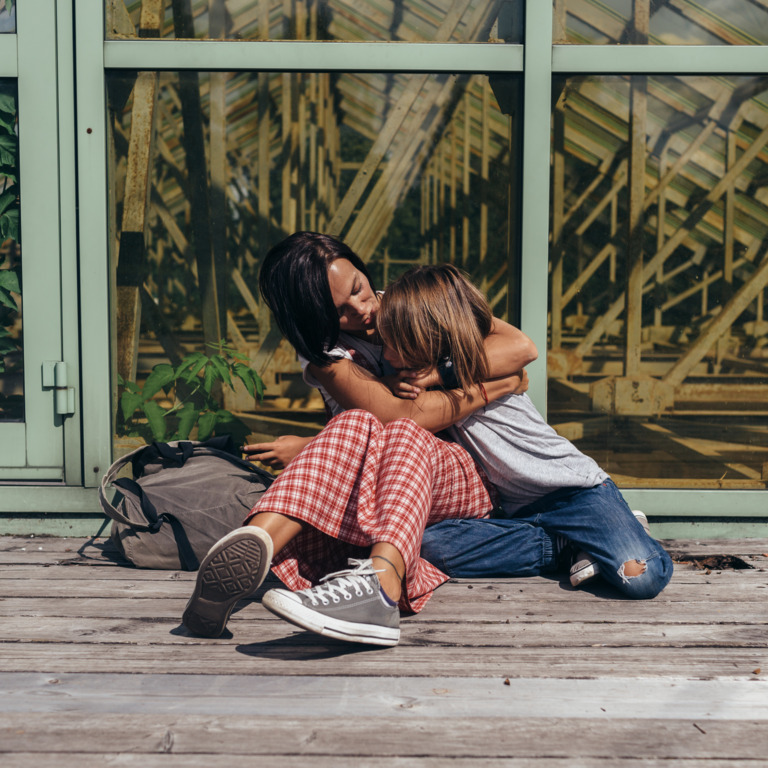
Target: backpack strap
{"points": [[189, 561], [109, 479], [175, 453]]}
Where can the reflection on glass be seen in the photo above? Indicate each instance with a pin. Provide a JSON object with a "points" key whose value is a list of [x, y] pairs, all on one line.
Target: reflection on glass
{"points": [[7, 16], [658, 357], [240, 160], [11, 357], [474, 21], [661, 22]]}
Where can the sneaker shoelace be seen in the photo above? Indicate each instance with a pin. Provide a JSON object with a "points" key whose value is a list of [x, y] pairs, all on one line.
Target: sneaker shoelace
{"points": [[335, 586]]}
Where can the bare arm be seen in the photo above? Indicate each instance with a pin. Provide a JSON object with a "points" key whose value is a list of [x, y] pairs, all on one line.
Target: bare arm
{"points": [[508, 349], [353, 387]]}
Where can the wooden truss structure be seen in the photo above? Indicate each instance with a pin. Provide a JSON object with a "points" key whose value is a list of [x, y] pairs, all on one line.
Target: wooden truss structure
{"points": [[211, 169], [659, 261], [658, 264]]}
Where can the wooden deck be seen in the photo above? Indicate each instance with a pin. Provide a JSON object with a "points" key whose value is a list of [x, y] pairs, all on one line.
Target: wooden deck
{"points": [[95, 670]]}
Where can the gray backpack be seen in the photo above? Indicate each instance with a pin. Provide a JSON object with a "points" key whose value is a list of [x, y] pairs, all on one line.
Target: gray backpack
{"points": [[184, 496]]}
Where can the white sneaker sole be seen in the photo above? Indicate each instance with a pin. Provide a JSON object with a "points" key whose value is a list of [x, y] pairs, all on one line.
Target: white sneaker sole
{"points": [[234, 568], [585, 573], [286, 607]]}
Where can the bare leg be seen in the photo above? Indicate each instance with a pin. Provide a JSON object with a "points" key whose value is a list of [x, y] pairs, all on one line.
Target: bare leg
{"points": [[391, 565], [280, 528]]}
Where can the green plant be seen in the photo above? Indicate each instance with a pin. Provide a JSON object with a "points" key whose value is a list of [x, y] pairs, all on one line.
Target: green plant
{"points": [[191, 389], [9, 218]]}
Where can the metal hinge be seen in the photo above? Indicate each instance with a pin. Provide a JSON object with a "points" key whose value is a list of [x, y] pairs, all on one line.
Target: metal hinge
{"points": [[55, 377]]}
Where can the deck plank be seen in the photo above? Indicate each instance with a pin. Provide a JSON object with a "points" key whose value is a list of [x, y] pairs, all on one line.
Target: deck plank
{"points": [[411, 736], [96, 670]]}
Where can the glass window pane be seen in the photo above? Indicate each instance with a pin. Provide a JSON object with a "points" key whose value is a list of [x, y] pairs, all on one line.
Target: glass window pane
{"points": [[11, 337], [388, 20], [7, 16], [658, 362], [657, 22], [211, 169]]}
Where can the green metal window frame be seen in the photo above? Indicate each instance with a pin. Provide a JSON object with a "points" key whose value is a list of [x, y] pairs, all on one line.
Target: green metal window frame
{"points": [[686, 513]]}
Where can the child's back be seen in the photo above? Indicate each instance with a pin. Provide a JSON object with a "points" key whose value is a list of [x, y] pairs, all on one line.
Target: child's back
{"points": [[521, 454]]}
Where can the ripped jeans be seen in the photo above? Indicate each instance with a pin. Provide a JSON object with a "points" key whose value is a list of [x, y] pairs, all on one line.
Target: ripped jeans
{"points": [[597, 520]]}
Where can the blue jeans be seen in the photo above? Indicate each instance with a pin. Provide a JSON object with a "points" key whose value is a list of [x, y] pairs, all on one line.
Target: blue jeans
{"points": [[596, 520]]}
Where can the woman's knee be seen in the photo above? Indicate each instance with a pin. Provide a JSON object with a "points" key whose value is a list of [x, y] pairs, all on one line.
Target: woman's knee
{"points": [[355, 418], [407, 428]]}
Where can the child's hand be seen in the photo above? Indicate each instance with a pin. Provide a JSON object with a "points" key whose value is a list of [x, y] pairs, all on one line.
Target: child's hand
{"points": [[523, 386], [409, 384], [424, 379], [400, 386]]}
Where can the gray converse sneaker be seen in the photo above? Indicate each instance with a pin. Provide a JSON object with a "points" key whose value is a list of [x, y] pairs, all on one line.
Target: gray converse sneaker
{"points": [[585, 568], [348, 605], [234, 567]]}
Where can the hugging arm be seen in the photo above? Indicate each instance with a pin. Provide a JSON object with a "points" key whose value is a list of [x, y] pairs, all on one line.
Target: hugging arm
{"points": [[509, 350], [353, 387]]}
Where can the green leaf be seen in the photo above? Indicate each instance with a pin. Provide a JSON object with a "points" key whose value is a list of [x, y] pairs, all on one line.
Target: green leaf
{"points": [[8, 146], [9, 225], [243, 372], [162, 375], [188, 362], [210, 378], [6, 346], [222, 368], [7, 103], [259, 384], [129, 402], [9, 280], [205, 425], [187, 419], [227, 424], [8, 198], [191, 374], [8, 300], [7, 122], [156, 419]]}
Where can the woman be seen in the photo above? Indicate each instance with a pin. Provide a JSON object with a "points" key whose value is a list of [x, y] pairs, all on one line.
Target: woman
{"points": [[395, 477], [433, 314]]}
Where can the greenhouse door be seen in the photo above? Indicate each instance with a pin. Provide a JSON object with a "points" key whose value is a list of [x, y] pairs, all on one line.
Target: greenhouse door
{"points": [[37, 392]]}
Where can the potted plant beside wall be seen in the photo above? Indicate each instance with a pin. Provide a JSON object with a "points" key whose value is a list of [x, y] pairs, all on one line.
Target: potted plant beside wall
{"points": [[181, 403]]}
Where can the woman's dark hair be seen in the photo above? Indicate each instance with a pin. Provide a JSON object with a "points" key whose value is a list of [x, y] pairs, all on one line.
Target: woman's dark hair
{"points": [[294, 282]]}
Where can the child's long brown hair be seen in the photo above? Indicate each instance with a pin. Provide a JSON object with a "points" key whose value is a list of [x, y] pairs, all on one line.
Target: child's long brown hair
{"points": [[435, 312]]}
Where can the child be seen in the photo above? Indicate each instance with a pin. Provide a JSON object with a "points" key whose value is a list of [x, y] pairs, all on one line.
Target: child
{"points": [[432, 322]]}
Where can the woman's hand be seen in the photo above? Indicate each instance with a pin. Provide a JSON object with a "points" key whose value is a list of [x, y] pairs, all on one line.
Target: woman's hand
{"points": [[277, 454]]}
